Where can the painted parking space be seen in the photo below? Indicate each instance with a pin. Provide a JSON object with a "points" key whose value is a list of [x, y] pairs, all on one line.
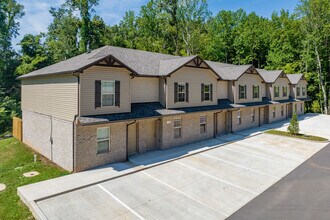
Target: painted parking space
{"points": [[208, 185]]}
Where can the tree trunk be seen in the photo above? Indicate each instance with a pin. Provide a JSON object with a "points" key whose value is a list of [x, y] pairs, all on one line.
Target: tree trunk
{"points": [[321, 83]]}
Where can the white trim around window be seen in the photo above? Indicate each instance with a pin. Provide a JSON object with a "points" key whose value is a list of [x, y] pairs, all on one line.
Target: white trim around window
{"points": [[181, 93], [108, 91], [202, 122], [207, 92], [103, 140], [177, 124]]}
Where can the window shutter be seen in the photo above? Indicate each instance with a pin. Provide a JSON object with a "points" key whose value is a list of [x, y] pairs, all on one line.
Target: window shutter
{"points": [[245, 91], [187, 92], [239, 91], [258, 92], [117, 93], [211, 92], [202, 92], [175, 92], [98, 86]]}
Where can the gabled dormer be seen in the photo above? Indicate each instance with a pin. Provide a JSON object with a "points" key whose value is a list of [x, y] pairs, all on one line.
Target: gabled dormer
{"points": [[276, 84], [187, 82], [298, 86]]}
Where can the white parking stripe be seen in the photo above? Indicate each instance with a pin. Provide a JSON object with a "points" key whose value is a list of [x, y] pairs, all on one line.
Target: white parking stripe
{"points": [[216, 178], [119, 201], [182, 193], [240, 166], [251, 154]]}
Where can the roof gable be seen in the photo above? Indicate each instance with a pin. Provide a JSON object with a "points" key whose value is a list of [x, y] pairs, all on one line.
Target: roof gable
{"points": [[295, 78], [270, 76]]}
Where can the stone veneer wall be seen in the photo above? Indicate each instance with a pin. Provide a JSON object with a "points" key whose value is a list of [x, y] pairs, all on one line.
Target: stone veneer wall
{"points": [[39, 129], [190, 130], [86, 156], [246, 116]]}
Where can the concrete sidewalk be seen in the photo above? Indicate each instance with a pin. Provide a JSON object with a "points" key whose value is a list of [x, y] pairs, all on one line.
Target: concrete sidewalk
{"points": [[33, 193]]}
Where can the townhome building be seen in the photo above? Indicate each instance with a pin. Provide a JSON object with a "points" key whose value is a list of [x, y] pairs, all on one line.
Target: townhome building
{"points": [[298, 91], [102, 106]]}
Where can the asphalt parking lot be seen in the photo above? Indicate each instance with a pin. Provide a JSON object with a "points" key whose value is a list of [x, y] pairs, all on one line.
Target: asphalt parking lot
{"points": [[301, 195], [208, 185]]}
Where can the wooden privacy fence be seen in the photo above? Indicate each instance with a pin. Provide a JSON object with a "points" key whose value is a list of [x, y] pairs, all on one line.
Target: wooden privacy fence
{"points": [[17, 128]]}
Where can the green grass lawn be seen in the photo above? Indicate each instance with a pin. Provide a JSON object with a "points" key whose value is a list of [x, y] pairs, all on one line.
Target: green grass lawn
{"points": [[301, 136], [16, 159]]}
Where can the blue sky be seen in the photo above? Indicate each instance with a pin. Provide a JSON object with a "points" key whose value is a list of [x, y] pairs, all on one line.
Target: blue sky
{"points": [[37, 16]]}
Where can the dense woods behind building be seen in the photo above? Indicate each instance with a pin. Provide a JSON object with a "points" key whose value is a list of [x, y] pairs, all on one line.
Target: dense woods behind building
{"points": [[296, 43]]}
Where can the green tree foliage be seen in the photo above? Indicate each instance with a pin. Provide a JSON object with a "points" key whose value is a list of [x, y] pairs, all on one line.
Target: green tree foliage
{"points": [[10, 12], [62, 37], [33, 54], [315, 18], [85, 7], [285, 45], [293, 127]]}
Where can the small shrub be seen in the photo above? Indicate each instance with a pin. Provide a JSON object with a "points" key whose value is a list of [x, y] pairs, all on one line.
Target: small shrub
{"points": [[294, 124]]}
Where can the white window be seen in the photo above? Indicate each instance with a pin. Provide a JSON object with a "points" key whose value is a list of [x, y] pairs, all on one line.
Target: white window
{"points": [[177, 128], [253, 113], [239, 118], [108, 93], [274, 112], [282, 110], [207, 92], [103, 140], [303, 91], [242, 92], [181, 92], [276, 91], [285, 91], [255, 92], [202, 121]]}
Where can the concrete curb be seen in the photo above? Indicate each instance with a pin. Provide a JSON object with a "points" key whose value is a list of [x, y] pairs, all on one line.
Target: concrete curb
{"points": [[38, 214]]}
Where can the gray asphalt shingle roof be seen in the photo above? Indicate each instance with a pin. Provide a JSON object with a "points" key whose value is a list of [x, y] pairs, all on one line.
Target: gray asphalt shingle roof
{"points": [[155, 109], [140, 62], [228, 71], [269, 76], [294, 78]]}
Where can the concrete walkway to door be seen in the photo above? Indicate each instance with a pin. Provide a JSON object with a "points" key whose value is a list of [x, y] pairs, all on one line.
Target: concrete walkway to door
{"points": [[234, 155]]}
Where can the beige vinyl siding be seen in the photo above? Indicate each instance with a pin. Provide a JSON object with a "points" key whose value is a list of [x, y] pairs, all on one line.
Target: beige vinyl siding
{"points": [[301, 83], [281, 81], [263, 90], [268, 89], [249, 80], [195, 77], [162, 92], [56, 96], [87, 90], [231, 91], [144, 89], [222, 89]]}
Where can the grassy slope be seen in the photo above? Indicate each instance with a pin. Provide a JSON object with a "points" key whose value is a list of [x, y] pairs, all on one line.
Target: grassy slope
{"points": [[301, 136], [14, 154]]}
